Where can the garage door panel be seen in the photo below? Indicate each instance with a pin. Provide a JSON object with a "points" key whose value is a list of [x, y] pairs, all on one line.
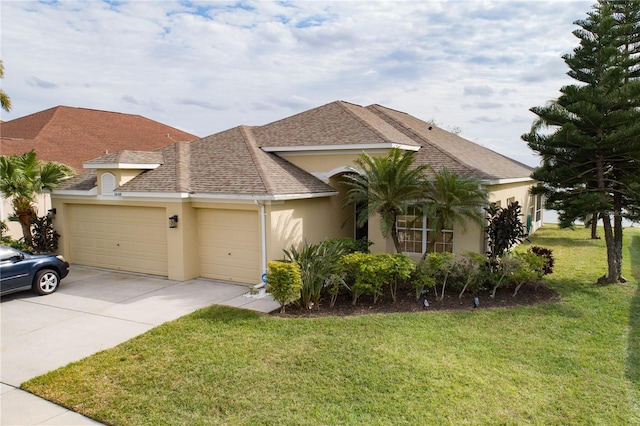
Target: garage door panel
{"points": [[125, 238], [229, 245]]}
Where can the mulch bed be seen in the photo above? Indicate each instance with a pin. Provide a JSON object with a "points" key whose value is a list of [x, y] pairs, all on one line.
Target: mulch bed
{"points": [[406, 302]]}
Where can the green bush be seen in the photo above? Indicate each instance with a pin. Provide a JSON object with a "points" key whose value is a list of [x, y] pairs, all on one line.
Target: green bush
{"points": [[469, 269], [284, 282], [548, 255], [438, 266], [530, 271], [371, 272], [45, 237], [319, 265], [10, 242], [350, 245]]}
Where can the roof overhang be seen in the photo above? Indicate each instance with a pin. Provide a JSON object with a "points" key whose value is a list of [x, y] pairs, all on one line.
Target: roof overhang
{"points": [[508, 180], [337, 149], [167, 196], [130, 166]]}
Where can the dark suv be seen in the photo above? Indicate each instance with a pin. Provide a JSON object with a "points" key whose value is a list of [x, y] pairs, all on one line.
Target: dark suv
{"points": [[23, 271]]}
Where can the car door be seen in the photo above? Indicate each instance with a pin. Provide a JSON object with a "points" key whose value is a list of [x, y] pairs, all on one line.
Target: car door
{"points": [[14, 270]]}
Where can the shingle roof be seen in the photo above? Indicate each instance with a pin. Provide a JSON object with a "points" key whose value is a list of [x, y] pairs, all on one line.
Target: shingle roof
{"points": [[235, 162], [129, 157], [227, 163], [76, 135], [439, 147], [337, 123]]}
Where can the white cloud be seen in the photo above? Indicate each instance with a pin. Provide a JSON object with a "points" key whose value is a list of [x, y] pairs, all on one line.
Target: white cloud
{"points": [[205, 66]]}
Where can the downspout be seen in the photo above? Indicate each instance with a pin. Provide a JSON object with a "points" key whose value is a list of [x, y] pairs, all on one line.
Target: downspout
{"points": [[263, 238]]}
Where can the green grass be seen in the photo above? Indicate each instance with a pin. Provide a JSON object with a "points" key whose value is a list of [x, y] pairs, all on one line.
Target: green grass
{"points": [[569, 363]]}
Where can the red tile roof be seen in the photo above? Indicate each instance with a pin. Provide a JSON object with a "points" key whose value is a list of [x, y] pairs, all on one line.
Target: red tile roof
{"points": [[76, 135]]}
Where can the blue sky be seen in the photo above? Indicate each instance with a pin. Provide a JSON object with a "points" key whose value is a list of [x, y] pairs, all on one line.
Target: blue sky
{"points": [[206, 66]]}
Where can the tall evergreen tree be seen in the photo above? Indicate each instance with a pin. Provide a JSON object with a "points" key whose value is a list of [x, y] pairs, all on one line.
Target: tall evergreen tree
{"points": [[589, 138]]}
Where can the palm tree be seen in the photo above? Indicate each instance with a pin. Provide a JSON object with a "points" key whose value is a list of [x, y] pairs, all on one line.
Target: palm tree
{"points": [[5, 101], [22, 177], [385, 186], [450, 198]]}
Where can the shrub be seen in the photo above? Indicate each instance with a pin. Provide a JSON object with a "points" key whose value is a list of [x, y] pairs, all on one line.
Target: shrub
{"points": [[505, 229], [399, 268], [44, 237], [438, 266], [351, 245], [284, 282], [318, 264], [529, 270], [469, 267], [548, 255], [10, 242], [369, 273], [366, 275], [500, 271]]}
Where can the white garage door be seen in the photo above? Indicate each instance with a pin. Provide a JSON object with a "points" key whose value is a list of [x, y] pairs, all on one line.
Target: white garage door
{"points": [[229, 245], [125, 238]]}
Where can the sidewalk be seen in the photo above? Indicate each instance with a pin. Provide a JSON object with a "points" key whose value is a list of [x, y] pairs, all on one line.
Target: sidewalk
{"points": [[93, 310]]}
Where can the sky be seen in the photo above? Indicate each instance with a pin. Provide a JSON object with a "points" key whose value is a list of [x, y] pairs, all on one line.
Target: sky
{"points": [[474, 67]]}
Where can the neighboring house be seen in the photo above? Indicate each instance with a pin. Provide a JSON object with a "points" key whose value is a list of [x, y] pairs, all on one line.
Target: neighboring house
{"points": [[222, 206], [75, 135]]}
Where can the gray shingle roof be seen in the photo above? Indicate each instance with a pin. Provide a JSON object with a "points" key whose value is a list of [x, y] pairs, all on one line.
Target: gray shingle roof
{"points": [[439, 147], [337, 123], [226, 163], [129, 157], [236, 162]]}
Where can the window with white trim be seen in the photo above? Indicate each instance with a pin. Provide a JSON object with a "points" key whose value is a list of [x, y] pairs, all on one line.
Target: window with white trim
{"points": [[538, 208], [417, 235]]}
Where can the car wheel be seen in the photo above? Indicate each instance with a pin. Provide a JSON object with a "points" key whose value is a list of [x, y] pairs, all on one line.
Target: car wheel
{"points": [[46, 282]]}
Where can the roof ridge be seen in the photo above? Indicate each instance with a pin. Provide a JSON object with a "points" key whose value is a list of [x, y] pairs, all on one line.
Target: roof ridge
{"points": [[378, 110], [250, 142], [183, 160], [359, 119]]}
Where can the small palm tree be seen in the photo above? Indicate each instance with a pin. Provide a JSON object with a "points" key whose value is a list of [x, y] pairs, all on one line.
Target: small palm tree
{"points": [[385, 186], [450, 198], [22, 177], [5, 101]]}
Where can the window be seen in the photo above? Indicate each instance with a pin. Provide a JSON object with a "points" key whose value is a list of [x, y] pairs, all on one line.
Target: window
{"points": [[107, 183], [538, 208], [511, 200], [416, 233]]}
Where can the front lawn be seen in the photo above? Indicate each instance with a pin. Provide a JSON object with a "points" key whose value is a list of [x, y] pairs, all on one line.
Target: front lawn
{"points": [[573, 362]]}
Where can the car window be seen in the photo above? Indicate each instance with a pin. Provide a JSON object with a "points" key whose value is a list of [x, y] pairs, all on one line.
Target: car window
{"points": [[7, 253]]}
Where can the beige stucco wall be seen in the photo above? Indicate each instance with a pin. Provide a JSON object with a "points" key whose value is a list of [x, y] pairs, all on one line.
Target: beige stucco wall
{"points": [[313, 220], [519, 192], [43, 204]]}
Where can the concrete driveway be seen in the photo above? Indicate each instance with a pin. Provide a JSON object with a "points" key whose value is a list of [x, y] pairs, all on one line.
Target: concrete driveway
{"points": [[92, 310]]}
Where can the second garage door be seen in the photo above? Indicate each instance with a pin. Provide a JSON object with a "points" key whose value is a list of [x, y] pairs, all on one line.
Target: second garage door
{"points": [[125, 238], [229, 245]]}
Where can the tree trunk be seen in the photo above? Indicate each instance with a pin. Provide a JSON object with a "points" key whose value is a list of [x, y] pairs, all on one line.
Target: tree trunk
{"points": [[594, 226], [617, 234], [25, 222], [394, 235], [612, 266], [612, 263]]}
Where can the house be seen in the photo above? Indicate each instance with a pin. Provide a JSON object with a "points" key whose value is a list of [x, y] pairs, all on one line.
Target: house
{"points": [[222, 206], [75, 135]]}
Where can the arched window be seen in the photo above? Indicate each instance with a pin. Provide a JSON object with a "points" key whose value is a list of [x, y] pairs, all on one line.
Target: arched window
{"points": [[107, 183]]}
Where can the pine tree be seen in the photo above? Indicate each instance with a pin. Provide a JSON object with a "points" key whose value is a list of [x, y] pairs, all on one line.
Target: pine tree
{"points": [[589, 138]]}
